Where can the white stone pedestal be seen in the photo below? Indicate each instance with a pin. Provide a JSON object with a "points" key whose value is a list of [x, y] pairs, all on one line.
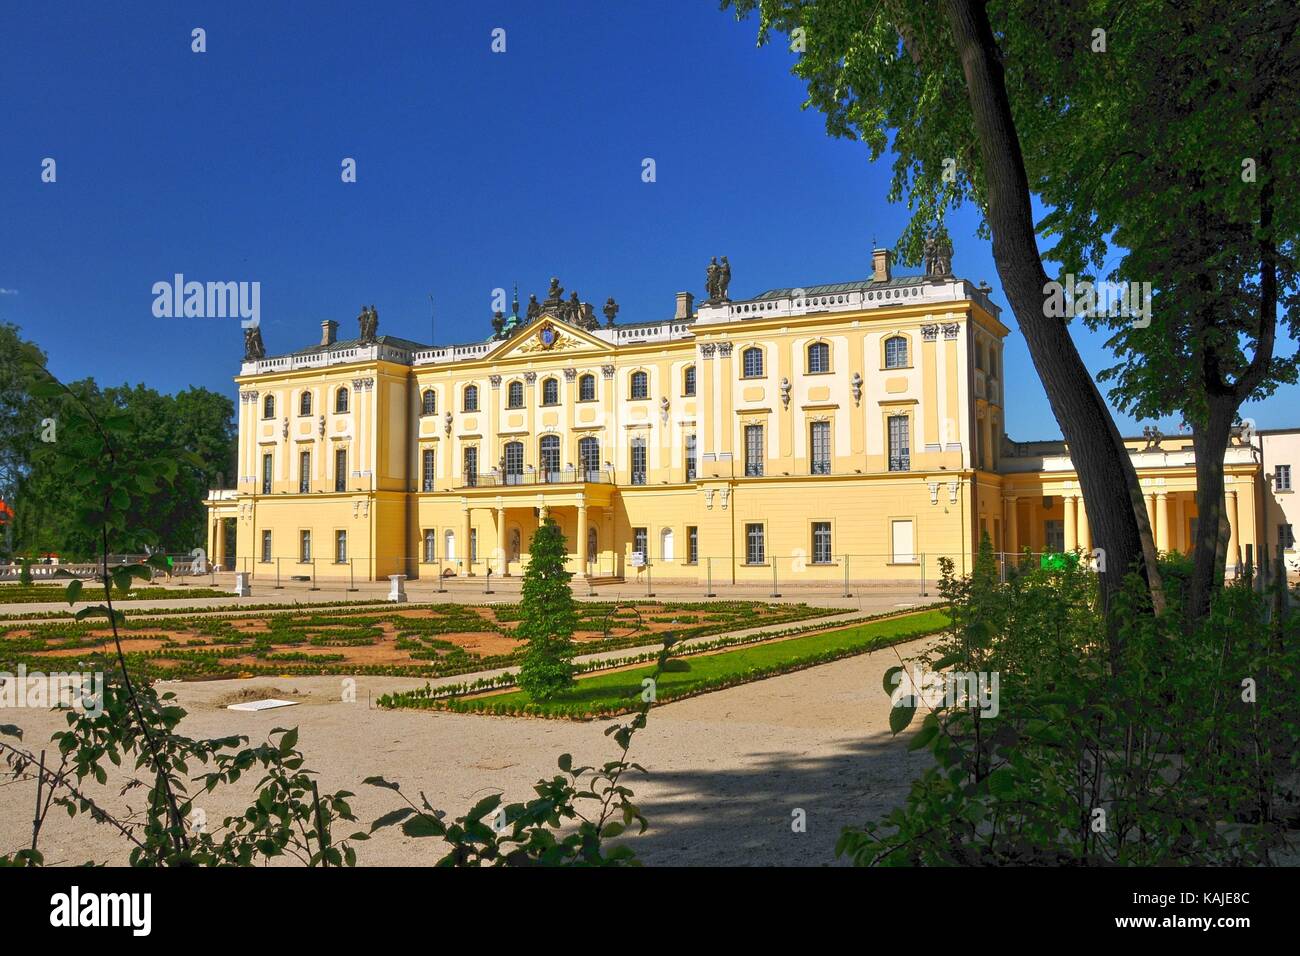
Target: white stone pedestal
{"points": [[243, 584], [397, 588]]}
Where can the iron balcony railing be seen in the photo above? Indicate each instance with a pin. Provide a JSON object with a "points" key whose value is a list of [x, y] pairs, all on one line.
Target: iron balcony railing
{"points": [[565, 476]]}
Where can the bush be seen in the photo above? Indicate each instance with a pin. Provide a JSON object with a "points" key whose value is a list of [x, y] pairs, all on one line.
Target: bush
{"points": [[547, 616]]}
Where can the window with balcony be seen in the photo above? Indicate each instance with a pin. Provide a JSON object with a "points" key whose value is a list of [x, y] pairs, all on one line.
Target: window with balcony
{"points": [[753, 451], [690, 458], [340, 469], [589, 458], [267, 473], [820, 442], [513, 459], [304, 472], [637, 462], [548, 458], [900, 444], [428, 469], [471, 466]]}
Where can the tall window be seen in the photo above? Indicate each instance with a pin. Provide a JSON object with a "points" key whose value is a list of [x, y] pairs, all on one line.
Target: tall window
{"points": [[266, 474], [428, 469], [340, 469], [266, 547], [751, 362], [304, 546], [641, 542], [471, 466], [755, 546], [551, 391], [548, 458], [473, 545], [895, 352], [515, 395], [821, 542], [1054, 535], [304, 471], [690, 458], [692, 544], [638, 461], [753, 450], [430, 546], [820, 435], [1283, 477], [471, 398], [640, 385], [514, 462], [667, 549], [268, 407], [304, 403], [589, 458], [900, 444], [819, 358], [449, 545], [341, 400], [340, 547], [688, 381], [587, 388], [429, 402]]}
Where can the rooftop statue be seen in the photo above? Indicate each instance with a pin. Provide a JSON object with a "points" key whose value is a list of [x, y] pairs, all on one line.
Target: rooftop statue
{"points": [[717, 278], [253, 348], [610, 310], [369, 322], [938, 254], [534, 307]]}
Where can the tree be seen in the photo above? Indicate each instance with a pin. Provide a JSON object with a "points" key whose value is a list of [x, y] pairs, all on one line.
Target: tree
{"points": [[547, 616], [934, 76], [19, 419]]}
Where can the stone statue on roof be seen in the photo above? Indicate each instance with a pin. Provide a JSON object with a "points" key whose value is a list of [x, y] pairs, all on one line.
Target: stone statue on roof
{"points": [[534, 307], [724, 280], [368, 320], [711, 273], [253, 348], [938, 254], [610, 310]]}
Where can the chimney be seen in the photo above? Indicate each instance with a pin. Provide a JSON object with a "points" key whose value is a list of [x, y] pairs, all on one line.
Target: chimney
{"points": [[685, 302], [328, 332], [880, 265]]}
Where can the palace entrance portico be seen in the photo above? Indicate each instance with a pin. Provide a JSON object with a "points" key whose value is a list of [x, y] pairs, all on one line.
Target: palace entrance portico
{"points": [[583, 510]]}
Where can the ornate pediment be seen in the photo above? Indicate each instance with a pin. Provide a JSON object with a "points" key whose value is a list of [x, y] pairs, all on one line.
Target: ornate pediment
{"points": [[549, 335]]}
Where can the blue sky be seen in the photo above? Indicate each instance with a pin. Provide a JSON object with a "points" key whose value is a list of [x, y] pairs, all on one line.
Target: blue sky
{"points": [[475, 170]]}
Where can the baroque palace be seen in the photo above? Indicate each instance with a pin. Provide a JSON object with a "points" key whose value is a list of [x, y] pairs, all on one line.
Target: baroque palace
{"points": [[828, 433]]}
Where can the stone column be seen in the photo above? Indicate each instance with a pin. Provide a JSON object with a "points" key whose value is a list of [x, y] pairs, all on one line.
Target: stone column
{"points": [[464, 552], [1162, 521], [1011, 545], [1071, 530], [1085, 532], [504, 557], [1232, 562], [1151, 513], [582, 537]]}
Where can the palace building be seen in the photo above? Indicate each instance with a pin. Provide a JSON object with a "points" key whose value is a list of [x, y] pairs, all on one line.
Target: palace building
{"points": [[828, 433]]}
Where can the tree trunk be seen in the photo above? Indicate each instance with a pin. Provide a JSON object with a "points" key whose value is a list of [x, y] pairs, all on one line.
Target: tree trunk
{"points": [[1099, 456], [1209, 555]]}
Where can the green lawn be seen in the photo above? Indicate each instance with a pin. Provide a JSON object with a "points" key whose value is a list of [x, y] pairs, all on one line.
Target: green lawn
{"points": [[54, 593], [619, 692]]}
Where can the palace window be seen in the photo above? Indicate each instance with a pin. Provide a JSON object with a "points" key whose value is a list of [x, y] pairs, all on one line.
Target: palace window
{"points": [[428, 469], [753, 451], [304, 546], [692, 544], [690, 458], [821, 542], [820, 439], [551, 391], [449, 545], [587, 388], [640, 385], [548, 458], [667, 551], [1282, 474], [340, 547], [637, 464], [751, 361], [903, 538], [589, 458], [304, 472], [895, 352], [340, 469], [819, 358], [471, 398], [900, 450], [515, 395], [304, 403], [1054, 535], [471, 466], [688, 381], [514, 463], [641, 543], [429, 402], [341, 400], [755, 545], [268, 407], [266, 474], [430, 546], [266, 547]]}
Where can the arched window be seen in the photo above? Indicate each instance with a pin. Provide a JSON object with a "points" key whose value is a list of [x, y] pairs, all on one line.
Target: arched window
{"points": [[819, 358], [341, 400], [895, 352], [589, 458], [515, 395], [268, 407], [514, 463], [640, 385], [751, 361], [449, 545], [688, 380], [304, 403], [429, 402], [548, 458], [587, 388], [471, 398], [430, 546], [551, 391], [666, 549]]}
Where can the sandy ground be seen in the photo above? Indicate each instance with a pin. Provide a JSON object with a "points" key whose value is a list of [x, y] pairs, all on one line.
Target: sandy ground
{"points": [[727, 769]]}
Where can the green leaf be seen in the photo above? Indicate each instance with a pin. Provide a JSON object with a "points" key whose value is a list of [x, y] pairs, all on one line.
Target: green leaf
{"points": [[891, 679], [423, 826], [900, 716], [74, 590]]}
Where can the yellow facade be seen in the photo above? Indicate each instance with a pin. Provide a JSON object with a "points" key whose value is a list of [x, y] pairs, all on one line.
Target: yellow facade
{"points": [[809, 435]]}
